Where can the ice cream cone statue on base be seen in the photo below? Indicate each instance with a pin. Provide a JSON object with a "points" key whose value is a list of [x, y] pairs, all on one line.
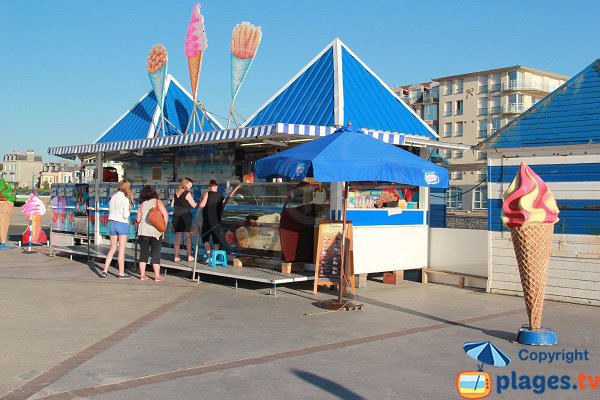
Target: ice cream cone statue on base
{"points": [[195, 45], [7, 199], [530, 211], [33, 210]]}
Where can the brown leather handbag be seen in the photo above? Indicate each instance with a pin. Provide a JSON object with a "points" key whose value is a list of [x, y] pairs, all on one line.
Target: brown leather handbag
{"points": [[156, 219]]}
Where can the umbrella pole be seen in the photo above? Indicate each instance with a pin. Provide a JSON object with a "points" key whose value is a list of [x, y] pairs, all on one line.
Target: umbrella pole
{"points": [[342, 289]]}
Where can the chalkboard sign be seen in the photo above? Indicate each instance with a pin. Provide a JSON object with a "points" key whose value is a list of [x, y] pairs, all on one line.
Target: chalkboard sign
{"points": [[328, 259]]}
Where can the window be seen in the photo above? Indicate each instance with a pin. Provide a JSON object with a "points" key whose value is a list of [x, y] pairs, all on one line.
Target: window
{"points": [[448, 129], [533, 100], [480, 198], [431, 112], [447, 153], [447, 108], [457, 154], [482, 156], [483, 128], [496, 124], [483, 106], [459, 86], [454, 197], [459, 129], [459, 107], [457, 175], [414, 95], [448, 87], [482, 175]]}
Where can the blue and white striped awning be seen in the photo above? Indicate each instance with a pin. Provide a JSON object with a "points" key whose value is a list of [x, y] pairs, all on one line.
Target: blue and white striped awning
{"points": [[249, 134]]}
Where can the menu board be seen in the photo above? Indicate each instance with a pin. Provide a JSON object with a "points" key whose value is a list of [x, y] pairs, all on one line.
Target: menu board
{"points": [[328, 259]]}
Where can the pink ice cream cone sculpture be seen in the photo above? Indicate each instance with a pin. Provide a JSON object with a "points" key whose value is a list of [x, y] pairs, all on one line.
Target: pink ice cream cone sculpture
{"points": [[33, 210], [195, 44], [530, 211]]}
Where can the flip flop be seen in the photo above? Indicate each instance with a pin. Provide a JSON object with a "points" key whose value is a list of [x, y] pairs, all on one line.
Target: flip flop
{"points": [[190, 259], [143, 278], [159, 278], [177, 259]]}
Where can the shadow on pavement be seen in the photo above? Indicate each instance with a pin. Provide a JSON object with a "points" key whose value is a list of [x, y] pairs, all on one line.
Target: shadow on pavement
{"points": [[328, 385]]}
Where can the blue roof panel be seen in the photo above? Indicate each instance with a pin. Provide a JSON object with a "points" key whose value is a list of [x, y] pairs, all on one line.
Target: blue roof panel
{"points": [[369, 104], [136, 122], [308, 100], [570, 115]]}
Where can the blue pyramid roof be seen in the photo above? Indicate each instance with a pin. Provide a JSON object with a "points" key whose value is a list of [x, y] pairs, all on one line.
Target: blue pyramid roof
{"points": [[140, 121], [570, 115], [335, 88]]}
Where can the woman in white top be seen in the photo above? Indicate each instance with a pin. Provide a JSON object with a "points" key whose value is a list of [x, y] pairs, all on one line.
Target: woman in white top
{"points": [[118, 216], [148, 236]]}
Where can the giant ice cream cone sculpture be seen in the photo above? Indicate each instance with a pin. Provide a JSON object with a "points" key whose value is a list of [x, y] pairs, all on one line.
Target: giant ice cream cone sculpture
{"points": [[244, 44], [157, 71], [530, 211], [195, 44], [34, 209], [7, 199]]}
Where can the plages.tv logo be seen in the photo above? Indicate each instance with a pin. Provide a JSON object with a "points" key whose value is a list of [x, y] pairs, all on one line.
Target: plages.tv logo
{"points": [[478, 384]]}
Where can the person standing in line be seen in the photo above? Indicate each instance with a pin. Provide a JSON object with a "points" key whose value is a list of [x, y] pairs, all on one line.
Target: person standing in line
{"points": [[118, 217], [182, 202], [149, 237], [212, 209]]}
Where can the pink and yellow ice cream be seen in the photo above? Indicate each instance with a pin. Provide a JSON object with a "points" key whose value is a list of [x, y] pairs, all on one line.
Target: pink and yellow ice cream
{"points": [[34, 209], [195, 44], [528, 200], [7, 200], [530, 211]]}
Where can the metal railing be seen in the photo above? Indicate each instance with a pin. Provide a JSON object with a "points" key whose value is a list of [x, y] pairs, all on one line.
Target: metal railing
{"points": [[459, 90], [483, 89], [447, 113], [483, 133], [516, 84], [496, 87], [495, 110], [482, 111], [447, 134], [430, 96], [515, 108], [458, 133], [459, 112], [447, 91]]}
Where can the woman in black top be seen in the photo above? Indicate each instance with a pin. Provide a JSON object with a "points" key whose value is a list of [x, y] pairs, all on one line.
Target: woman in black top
{"points": [[182, 217], [212, 208]]}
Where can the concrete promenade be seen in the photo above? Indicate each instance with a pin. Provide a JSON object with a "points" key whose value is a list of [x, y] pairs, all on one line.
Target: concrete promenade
{"points": [[67, 334]]}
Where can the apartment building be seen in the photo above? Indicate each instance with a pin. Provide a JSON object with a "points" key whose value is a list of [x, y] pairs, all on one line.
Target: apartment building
{"points": [[59, 172], [471, 107], [21, 168]]}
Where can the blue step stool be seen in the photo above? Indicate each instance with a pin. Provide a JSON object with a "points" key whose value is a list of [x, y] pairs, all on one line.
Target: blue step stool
{"points": [[218, 257]]}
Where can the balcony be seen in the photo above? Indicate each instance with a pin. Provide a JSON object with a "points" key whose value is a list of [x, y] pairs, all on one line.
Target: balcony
{"points": [[404, 98], [495, 110], [496, 87], [482, 111], [527, 85], [514, 108], [483, 89], [483, 133], [430, 97]]}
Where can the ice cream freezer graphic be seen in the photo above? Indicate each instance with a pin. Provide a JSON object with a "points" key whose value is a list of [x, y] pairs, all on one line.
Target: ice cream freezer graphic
{"points": [[34, 209]]}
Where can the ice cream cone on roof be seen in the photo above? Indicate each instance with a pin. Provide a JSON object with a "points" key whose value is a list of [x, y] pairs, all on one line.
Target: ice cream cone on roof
{"points": [[530, 211]]}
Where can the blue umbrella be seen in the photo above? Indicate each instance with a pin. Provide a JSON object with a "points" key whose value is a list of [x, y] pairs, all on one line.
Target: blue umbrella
{"points": [[348, 155], [486, 353]]}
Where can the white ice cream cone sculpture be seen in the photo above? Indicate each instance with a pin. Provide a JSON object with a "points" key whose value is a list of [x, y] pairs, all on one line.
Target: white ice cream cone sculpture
{"points": [[530, 211]]}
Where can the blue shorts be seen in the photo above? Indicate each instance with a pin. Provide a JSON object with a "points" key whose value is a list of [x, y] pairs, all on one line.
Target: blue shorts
{"points": [[118, 228]]}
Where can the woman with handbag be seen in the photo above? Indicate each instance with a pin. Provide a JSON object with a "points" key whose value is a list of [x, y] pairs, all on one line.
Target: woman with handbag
{"points": [[118, 216], [152, 221], [182, 202]]}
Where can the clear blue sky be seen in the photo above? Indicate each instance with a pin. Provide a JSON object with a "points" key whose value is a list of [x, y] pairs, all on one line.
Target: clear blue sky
{"points": [[71, 68]]}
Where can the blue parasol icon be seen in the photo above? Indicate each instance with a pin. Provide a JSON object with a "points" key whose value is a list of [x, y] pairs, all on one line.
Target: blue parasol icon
{"points": [[487, 353]]}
